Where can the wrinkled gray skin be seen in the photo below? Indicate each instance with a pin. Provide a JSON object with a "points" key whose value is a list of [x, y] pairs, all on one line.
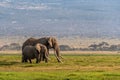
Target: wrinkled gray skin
{"points": [[49, 42], [39, 52], [30, 52]]}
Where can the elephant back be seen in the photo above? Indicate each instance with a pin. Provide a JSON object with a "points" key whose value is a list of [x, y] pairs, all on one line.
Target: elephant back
{"points": [[30, 41], [43, 41]]}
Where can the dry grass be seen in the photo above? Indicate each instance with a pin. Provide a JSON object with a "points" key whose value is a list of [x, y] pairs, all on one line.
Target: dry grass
{"points": [[73, 42], [78, 42], [68, 52]]}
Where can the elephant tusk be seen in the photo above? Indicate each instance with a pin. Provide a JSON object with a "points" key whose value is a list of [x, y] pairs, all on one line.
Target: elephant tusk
{"points": [[58, 58], [61, 57], [47, 57]]}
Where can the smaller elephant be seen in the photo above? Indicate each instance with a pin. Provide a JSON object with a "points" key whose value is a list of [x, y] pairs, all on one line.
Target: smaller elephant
{"points": [[30, 52], [38, 51], [43, 52]]}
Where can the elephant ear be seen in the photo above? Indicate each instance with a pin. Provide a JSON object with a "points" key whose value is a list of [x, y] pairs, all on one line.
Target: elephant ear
{"points": [[50, 41], [38, 48]]}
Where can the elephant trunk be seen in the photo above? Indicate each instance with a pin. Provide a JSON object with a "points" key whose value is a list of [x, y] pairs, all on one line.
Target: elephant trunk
{"points": [[57, 53]]}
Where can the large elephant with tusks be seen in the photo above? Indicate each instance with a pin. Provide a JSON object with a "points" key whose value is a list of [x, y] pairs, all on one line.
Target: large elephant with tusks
{"points": [[49, 42]]}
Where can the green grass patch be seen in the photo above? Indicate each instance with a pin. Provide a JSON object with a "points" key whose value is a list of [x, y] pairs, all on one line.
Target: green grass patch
{"points": [[58, 75], [74, 67]]}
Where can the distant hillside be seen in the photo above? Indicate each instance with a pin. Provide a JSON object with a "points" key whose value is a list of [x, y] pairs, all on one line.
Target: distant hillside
{"points": [[12, 46], [86, 18]]}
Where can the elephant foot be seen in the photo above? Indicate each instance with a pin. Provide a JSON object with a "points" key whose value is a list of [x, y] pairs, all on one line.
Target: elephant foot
{"points": [[61, 57], [60, 61], [37, 61], [48, 58], [46, 61], [22, 61]]}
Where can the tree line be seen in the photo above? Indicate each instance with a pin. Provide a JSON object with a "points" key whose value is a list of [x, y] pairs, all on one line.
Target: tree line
{"points": [[102, 46]]}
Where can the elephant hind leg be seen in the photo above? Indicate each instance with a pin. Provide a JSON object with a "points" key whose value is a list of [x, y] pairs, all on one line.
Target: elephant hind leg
{"points": [[30, 60], [24, 59], [46, 60]]}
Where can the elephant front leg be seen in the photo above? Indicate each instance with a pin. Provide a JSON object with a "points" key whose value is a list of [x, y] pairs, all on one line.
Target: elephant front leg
{"points": [[46, 57], [37, 60], [46, 60], [48, 51], [57, 56]]}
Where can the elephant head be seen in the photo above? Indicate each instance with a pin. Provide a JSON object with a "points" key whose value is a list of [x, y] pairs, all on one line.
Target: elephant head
{"points": [[38, 48], [54, 44]]}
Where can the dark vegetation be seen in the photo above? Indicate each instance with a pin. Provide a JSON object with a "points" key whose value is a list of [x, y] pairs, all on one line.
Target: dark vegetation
{"points": [[102, 46], [12, 46]]}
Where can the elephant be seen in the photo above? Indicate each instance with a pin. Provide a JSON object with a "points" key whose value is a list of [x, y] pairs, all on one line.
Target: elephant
{"points": [[30, 52], [49, 42], [43, 52], [38, 51]]}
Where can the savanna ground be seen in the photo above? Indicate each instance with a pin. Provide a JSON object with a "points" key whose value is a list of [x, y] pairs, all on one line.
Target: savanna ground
{"points": [[82, 66]]}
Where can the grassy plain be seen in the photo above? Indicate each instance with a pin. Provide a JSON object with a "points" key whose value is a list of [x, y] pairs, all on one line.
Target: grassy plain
{"points": [[74, 67]]}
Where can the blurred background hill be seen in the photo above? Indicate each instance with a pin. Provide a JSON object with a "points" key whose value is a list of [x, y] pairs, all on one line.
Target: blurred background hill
{"points": [[77, 23], [97, 18]]}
